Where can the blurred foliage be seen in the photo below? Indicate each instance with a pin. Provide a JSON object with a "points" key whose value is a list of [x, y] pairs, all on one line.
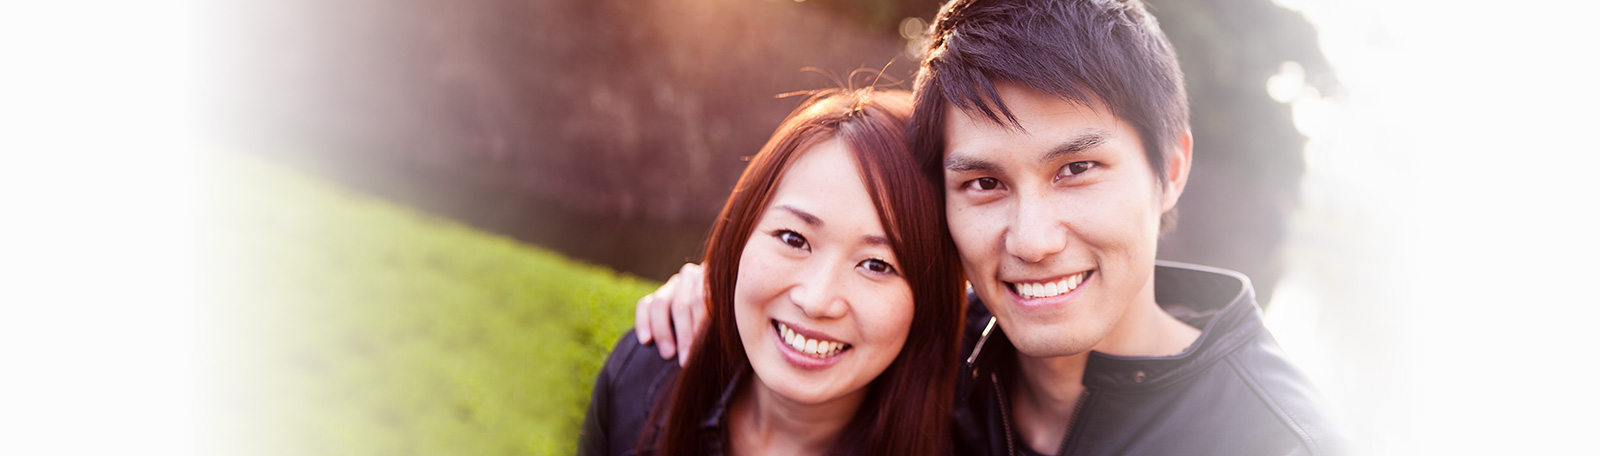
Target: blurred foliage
{"points": [[365, 328], [549, 121], [612, 130], [882, 16], [1248, 155]]}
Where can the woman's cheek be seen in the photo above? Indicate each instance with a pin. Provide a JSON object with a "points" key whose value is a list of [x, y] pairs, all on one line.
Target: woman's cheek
{"points": [[890, 318]]}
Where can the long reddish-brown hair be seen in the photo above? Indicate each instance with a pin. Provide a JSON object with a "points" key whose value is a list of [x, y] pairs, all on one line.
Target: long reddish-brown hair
{"points": [[907, 410]]}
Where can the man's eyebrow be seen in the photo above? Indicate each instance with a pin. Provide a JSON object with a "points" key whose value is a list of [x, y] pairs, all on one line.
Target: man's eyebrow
{"points": [[1087, 140], [959, 164], [805, 216]]}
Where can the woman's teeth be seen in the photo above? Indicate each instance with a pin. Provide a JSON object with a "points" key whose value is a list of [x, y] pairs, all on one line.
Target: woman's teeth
{"points": [[1045, 290], [810, 347]]}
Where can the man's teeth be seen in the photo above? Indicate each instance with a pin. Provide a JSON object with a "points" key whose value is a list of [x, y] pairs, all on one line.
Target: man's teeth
{"points": [[810, 347], [1045, 290]]}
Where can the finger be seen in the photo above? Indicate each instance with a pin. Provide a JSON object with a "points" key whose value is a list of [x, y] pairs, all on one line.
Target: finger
{"points": [[641, 311], [687, 308], [697, 310], [696, 287], [682, 322], [641, 319], [661, 321]]}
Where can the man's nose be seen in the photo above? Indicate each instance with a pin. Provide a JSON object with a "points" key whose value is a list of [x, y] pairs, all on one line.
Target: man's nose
{"points": [[1037, 231]]}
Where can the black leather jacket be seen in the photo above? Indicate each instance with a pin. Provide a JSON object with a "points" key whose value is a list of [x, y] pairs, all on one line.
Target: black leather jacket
{"points": [[1231, 393], [633, 380]]}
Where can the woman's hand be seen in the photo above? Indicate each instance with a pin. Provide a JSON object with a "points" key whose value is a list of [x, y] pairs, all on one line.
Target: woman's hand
{"points": [[673, 314]]}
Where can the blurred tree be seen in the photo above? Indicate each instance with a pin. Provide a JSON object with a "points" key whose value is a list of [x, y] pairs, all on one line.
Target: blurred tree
{"points": [[1249, 157], [612, 130]]}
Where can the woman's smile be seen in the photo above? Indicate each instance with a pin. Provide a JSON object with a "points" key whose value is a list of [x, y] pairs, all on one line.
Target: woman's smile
{"points": [[815, 346]]}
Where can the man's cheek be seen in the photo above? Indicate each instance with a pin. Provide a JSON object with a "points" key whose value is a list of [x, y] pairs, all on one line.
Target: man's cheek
{"points": [[972, 248]]}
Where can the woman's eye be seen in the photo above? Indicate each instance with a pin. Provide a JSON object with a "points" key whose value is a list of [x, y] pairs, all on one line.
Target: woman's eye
{"points": [[983, 183], [793, 239], [878, 266], [1076, 168]]}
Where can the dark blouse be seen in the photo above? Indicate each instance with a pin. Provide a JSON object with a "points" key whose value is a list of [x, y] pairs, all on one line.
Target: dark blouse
{"points": [[633, 381]]}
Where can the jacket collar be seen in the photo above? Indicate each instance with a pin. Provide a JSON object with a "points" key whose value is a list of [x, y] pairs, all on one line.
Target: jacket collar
{"points": [[717, 421], [1218, 301], [714, 428]]}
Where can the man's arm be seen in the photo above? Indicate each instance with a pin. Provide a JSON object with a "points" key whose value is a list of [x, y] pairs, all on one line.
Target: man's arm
{"points": [[674, 313]]}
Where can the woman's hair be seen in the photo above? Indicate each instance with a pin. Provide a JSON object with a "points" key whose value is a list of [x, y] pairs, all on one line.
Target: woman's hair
{"points": [[907, 409]]}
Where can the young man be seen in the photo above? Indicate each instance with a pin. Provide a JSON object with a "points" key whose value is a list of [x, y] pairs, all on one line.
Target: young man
{"points": [[1059, 131]]}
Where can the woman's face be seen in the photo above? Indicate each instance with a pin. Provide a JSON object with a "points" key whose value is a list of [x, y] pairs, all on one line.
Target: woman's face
{"points": [[821, 305]]}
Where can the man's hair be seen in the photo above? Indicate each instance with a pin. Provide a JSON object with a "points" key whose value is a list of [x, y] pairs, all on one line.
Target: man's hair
{"points": [[1084, 51]]}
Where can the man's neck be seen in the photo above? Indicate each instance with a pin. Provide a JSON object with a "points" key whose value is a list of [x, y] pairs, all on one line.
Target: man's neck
{"points": [[762, 422], [1046, 394], [1147, 330]]}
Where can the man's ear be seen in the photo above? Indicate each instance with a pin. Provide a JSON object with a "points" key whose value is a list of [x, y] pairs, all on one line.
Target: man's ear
{"points": [[1177, 171]]}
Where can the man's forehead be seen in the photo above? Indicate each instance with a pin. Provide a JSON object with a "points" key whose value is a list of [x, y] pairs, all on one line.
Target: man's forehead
{"points": [[1015, 99], [1042, 124]]}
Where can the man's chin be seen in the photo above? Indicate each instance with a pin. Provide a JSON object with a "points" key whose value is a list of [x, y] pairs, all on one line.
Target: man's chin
{"points": [[1049, 344]]}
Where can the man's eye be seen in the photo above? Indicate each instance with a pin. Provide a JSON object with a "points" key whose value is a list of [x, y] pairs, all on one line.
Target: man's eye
{"points": [[878, 266], [1076, 168], [793, 239], [984, 183]]}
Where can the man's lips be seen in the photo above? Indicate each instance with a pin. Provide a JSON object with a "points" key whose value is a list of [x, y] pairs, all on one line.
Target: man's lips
{"points": [[1035, 290]]}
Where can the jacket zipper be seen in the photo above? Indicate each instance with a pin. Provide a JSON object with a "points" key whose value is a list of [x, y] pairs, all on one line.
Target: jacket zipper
{"points": [[1072, 424], [1005, 413]]}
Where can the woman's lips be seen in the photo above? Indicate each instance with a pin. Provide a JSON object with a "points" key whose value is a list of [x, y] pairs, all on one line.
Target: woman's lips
{"points": [[814, 346]]}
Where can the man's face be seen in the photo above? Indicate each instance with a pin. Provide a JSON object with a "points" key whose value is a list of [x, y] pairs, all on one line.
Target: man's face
{"points": [[1056, 223]]}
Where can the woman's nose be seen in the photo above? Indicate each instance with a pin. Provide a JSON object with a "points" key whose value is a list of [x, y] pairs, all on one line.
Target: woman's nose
{"points": [[817, 291]]}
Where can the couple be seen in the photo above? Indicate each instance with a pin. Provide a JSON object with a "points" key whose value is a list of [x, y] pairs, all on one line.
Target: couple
{"points": [[1039, 159]]}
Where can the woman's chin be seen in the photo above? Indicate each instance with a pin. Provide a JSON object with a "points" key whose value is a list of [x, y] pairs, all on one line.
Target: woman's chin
{"points": [[803, 392], [805, 384]]}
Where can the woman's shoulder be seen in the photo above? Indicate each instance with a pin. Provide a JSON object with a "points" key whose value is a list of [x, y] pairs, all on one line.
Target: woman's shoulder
{"points": [[633, 363], [633, 380]]}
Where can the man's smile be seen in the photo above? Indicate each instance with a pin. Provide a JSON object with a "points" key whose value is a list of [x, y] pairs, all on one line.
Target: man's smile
{"points": [[1050, 288]]}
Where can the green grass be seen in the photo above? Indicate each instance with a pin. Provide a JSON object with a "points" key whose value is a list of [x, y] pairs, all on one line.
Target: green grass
{"points": [[360, 327]]}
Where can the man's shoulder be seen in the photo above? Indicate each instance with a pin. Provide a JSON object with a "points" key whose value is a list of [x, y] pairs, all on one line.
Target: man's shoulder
{"points": [[1237, 374], [1235, 393], [1284, 397], [1248, 399], [1266, 387]]}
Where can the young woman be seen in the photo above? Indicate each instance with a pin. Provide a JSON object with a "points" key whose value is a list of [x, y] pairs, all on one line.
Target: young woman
{"points": [[834, 302]]}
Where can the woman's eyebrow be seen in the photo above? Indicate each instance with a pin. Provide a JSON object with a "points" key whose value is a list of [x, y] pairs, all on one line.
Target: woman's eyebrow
{"points": [[813, 220], [804, 216]]}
